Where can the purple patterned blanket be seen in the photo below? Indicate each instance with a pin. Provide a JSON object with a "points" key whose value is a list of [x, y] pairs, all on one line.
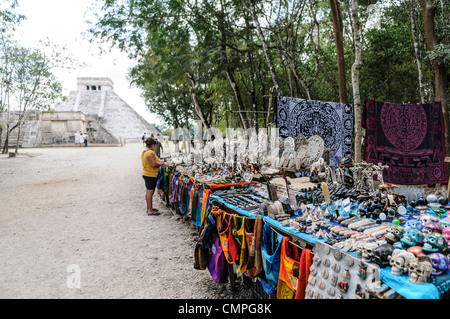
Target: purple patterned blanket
{"points": [[407, 137]]}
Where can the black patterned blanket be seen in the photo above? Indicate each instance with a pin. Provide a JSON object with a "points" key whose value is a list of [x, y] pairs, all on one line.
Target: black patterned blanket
{"points": [[333, 122]]}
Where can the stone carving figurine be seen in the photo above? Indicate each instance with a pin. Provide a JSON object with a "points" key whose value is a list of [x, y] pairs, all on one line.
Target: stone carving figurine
{"points": [[378, 171]]}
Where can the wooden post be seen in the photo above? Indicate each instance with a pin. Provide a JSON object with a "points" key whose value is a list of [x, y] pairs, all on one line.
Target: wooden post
{"points": [[327, 155]]}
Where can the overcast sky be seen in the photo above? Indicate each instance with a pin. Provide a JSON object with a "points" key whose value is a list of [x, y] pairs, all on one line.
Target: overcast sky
{"points": [[63, 22]]}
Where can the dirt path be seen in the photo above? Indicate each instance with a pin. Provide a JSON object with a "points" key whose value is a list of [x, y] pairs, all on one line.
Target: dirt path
{"points": [[73, 225]]}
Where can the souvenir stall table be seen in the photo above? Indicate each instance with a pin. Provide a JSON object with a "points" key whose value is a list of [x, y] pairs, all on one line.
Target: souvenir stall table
{"points": [[338, 271], [341, 265], [176, 182], [339, 233]]}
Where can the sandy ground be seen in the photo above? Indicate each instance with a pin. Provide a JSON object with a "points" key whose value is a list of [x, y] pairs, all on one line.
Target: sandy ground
{"points": [[73, 225]]}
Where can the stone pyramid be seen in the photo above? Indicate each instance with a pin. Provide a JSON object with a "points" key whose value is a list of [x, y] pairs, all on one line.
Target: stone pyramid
{"points": [[95, 97]]}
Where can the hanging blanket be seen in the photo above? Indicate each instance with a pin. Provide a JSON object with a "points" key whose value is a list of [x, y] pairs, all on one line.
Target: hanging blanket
{"points": [[333, 122], [407, 137]]}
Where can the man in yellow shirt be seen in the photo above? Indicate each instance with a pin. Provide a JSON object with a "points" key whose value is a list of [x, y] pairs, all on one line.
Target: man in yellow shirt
{"points": [[151, 165]]}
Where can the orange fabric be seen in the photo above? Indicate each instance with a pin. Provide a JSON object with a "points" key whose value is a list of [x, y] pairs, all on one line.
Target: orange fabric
{"points": [[294, 271], [227, 241], [206, 194], [215, 186], [289, 270], [305, 264], [218, 214]]}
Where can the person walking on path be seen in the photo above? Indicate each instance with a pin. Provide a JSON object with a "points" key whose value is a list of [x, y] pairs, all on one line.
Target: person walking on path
{"points": [[77, 138], [150, 168], [85, 139], [144, 137], [159, 148], [81, 139]]}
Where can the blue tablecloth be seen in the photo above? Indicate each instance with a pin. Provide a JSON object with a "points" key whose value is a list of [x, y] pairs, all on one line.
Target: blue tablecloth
{"points": [[286, 229], [270, 221], [407, 289]]}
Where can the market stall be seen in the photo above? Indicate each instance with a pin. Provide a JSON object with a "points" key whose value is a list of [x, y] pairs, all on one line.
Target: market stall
{"points": [[366, 231], [339, 232]]}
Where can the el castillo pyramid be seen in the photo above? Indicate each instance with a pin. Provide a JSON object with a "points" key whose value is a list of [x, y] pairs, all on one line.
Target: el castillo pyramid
{"points": [[95, 97]]}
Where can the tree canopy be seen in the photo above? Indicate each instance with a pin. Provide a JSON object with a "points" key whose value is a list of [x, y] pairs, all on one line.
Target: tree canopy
{"points": [[219, 61]]}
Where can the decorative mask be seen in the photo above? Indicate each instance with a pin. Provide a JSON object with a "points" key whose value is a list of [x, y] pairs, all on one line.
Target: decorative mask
{"points": [[399, 261], [445, 222], [412, 237], [413, 224], [428, 218], [434, 243], [440, 264], [432, 227], [394, 233], [381, 255], [446, 234], [416, 250], [420, 270]]}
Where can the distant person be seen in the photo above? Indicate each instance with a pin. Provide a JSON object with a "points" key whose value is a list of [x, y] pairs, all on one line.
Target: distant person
{"points": [[77, 138], [80, 139], [85, 139], [158, 138], [150, 168], [159, 148], [144, 137]]}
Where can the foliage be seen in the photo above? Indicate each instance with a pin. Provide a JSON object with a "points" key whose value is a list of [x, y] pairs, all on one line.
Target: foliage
{"points": [[27, 81], [205, 59]]}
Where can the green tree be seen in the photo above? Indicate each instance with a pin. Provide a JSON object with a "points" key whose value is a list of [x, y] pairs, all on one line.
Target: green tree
{"points": [[9, 20], [33, 87]]}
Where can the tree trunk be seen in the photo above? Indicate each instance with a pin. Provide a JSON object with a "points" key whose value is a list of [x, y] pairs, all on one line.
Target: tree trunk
{"points": [[230, 71], [269, 107], [355, 83], [6, 143], [197, 106], [289, 55], [237, 95], [19, 129], [417, 52], [440, 69], [338, 28], [252, 10]]}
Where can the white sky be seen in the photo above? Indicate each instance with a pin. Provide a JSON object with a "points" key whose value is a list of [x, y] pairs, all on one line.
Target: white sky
{"points": [[63, 22]]}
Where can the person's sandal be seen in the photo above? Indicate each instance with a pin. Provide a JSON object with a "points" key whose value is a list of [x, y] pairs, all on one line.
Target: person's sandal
{"points": [[154, 213]]}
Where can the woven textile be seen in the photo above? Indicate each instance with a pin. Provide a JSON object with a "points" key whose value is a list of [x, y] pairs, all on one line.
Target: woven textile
{"points": [[407, 137], [333, 122]]}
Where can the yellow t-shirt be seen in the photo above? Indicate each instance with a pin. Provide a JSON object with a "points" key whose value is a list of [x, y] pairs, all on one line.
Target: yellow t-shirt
{"points": [[149, 170]]}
